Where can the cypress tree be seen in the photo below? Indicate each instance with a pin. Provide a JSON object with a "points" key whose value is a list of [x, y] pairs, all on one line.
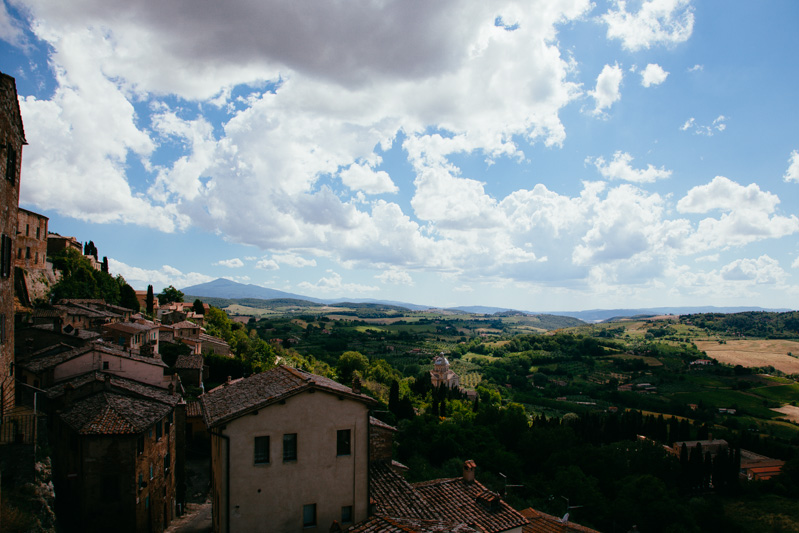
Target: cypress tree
{"points": [[149, 302]]}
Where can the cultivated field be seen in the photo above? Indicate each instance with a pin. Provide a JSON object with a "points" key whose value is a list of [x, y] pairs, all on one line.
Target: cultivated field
{"points": [[755, 353], [791, 412]]}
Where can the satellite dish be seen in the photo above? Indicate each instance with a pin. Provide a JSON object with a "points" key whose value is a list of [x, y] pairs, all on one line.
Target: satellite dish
{"points": [[565, 519]]}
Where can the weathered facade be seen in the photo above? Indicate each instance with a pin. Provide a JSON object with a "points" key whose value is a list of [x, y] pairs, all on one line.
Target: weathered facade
{"points": [[12, 138], [31, 243], [289, 452], [117, 454]]}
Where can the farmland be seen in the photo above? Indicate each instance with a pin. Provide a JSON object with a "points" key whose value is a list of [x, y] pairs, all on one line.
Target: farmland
{"points": [[754, 353]]}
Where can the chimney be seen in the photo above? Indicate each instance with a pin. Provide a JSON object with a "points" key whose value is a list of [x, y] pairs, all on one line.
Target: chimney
{"points": [[469, 468], [356, 385], [107, 382], [228, 381]]}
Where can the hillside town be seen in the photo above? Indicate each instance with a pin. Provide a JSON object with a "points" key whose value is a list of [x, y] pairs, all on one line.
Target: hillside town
{"points": [[107, 409]]}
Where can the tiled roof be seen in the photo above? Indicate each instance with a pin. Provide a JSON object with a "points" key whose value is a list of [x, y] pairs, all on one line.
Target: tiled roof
{"points": [[52, 356], [185, 325], [128, 386], [130, 327], [546, 523], [384, 524], [233, 400], [110, 413], [83, 334], [189, 361], [393, 496], [380, 424], [193, 409], [455, 499], [210, 338]]}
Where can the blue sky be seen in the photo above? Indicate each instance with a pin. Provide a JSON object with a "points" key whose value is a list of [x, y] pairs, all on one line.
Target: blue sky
{"points": [[545, 155]]}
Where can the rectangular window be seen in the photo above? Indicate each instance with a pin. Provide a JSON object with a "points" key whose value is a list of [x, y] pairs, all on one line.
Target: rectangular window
{"points": [[167, 462], [36, 259], [105, 365], [140, 445], [261, 453], [309, 515], [27, 230], [346, 514], [159, 431], [11, 164], [38, 233], [290, 447], [27, 252], [19, 253], [152, 470], [141, 481], [343, 442], [6, 255]]}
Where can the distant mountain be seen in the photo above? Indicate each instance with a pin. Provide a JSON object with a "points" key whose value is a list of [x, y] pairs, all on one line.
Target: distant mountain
{"points": [[229, 289]]}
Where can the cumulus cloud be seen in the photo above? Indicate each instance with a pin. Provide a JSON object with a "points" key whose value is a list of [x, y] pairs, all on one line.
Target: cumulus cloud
{"points": [[10, 30], [795, 263], [364, 178], [140, 278], [718, 125], [395, 277], [333, 283], [657, 22], [764, 269], [792, 174], [293, 260], [653, 74], [620, 168], [230, 263], [607, 90], [267, 264], [747, 215]]}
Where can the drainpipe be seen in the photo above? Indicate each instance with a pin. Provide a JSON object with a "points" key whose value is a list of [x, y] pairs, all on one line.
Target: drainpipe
{"points": [[227, 479]]}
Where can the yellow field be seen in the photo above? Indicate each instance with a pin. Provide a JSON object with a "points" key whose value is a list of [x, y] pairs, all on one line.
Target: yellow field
{"points": [[791, 412], [758, 352]]}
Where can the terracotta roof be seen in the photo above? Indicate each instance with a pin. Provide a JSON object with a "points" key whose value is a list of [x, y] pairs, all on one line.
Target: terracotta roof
{"points": [[193, 409], [84, 334], [380, 424], [184, 325], [546, 523], [470, 503], [384, 524], [130, 327], [233, 400], [129, 386], [55, 355], [189, 361], [210, 338], [452, 500], [110, 413]]}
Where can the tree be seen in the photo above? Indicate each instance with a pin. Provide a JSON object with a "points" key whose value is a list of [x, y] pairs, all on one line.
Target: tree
{"points": [[349, 363], [90, 249], [149, 301], [198, 307], [169, 295], [127, 297], [104, 266], [394, 397]]}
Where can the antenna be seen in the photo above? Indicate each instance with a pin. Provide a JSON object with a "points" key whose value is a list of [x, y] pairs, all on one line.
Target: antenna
{"points": [[505, 479]]}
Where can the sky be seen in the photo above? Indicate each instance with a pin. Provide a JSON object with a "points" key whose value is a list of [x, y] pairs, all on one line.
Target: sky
{"points": [[542, 155]]}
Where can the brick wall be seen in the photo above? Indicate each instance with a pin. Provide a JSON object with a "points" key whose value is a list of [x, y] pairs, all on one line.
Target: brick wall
{"points": [[381, 441]]}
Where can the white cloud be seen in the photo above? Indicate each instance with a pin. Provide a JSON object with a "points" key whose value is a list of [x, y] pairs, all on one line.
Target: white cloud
{"points": [[334, 284], [607, 90], [395, 277], [657, 22], [294, 260], [10, 31], [764, 269], [718, 125], [140, 278], [620, 168], [653, 74], [795, 263], [364, 178], [747, 215], [230, 263], [267, 264], [696, 68], [792, 174]]}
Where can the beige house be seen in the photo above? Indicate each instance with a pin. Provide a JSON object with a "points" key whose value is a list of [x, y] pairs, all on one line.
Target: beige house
{"points": [[442, 375], [289, 452]]}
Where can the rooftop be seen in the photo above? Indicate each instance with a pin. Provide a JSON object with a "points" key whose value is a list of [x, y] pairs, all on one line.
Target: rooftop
{"points": [[232, 400], [55, 355], [546, 523], [384, 524], [189, 361], [111, 413]]}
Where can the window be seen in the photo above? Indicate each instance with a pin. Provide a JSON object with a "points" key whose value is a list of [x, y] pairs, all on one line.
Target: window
{"points": [[346, 514], [309, 515], [36, 259], [19, 253], [261, 452], [343, 442], [141, 481], [11, 163], [38, 235], [140, 447], [290, 447], [27, 252], [152, 470], [159, 430], [27, 230], [167, 462], [6, 251], [105, 365]]}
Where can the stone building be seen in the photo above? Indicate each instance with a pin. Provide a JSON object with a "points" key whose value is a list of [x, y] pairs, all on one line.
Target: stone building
{"points": [[289, 452], [442, 375], [118, 458], [31, 243], [12, 138]]}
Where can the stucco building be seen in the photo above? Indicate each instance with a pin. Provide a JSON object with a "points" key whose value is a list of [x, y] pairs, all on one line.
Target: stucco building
{"points": [[12, 138], [289, 452]]}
